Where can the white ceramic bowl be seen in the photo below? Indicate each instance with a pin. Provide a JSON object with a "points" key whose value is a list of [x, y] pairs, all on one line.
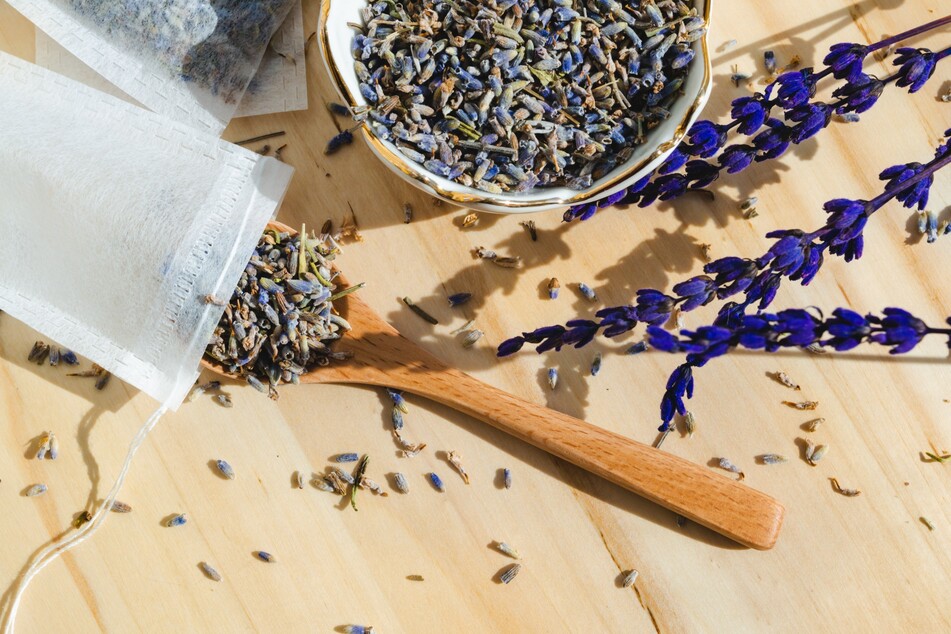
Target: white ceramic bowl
{"points": [[335, 38]]}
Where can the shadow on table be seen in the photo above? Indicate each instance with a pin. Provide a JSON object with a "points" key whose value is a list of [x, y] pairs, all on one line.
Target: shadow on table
{"points": [[16, 341], [86, 424], [579, 480]]}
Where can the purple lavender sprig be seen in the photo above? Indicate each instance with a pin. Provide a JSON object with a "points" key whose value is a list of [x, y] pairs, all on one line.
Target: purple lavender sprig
{"points": [[771, 137], [793, 328], [795, 255]]}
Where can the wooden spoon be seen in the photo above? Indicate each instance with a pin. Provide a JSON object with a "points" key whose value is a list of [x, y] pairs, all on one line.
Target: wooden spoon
{"points": [[383, 357]]}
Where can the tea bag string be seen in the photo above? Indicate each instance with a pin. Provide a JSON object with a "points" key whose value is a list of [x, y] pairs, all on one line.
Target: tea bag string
{"points": [[54, 550]]}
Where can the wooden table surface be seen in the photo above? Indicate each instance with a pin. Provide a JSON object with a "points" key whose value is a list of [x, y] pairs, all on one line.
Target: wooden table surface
{"points": [[843, 564]]}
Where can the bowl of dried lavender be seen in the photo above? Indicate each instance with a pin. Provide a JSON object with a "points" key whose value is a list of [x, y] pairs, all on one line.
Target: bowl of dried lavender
{"points": [[520, 105], [285, 314]]}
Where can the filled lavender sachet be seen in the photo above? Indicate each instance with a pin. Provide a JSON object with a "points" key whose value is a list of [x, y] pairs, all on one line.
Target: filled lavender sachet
{"points": [[191, 60]]}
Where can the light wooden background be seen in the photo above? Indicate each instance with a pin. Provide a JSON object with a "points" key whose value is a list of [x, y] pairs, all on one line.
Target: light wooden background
{"points": [[858, 564]]}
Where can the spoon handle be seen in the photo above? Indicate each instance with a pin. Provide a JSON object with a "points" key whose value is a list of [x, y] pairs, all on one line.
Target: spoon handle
{"points": [[741, 513]]}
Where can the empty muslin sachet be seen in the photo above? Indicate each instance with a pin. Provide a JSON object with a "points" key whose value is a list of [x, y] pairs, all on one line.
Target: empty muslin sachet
{"points": [[122, 232], [279, 85], [191, 60]]}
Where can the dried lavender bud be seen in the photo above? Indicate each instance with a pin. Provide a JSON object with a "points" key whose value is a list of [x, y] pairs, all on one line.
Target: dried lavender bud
{"points": [[397, 417], [346, 457], [737, 77], [35, 490], [507, 478], [120, 507], [690, 424], [38, 353], [198, 390], [846, 117], [629, 579], [596, 364], [769, 61], [225, 469], [408, 449], [783, 379], [532, 231], [338, 141], [552, 378], [398, 401], [209, 571], [178, 520], [437, 482], [471, 338], [637, 348], [407, 213], [816, 454], [47, 446], [814, 424], [587, 292], [553, 287], [265, 556], [401, 484], [771, 458], [505, 549], [459, 299], [339, 109], [485, 254], [507, 262], [725, 464], [849, 493], [802, 405], [81, 518], [509, 573], [456, 461]]}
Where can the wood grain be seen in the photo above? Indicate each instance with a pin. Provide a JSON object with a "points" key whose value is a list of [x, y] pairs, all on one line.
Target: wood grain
{"points": [[385, 358], [855, 564]]}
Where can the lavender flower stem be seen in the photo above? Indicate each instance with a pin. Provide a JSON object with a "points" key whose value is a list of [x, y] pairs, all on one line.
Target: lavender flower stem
{"points": [[895, 39], [924, 28]]}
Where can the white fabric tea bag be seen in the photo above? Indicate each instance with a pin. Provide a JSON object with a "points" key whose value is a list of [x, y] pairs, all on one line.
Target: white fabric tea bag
{"points": [[191, 60], [118, 223], [280, 84]]}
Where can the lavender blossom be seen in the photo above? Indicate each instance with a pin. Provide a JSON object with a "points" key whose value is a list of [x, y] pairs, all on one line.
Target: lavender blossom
{"points": [[795, 255], [800, 120], [844, 330]]}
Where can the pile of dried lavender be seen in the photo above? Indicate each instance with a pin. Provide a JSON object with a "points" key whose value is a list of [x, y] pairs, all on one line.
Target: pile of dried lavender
{"points": [[280, 320], [509, 95]]}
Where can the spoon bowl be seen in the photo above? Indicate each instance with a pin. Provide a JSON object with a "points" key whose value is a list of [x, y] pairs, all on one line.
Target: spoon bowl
{"points": [[383, 357]]}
